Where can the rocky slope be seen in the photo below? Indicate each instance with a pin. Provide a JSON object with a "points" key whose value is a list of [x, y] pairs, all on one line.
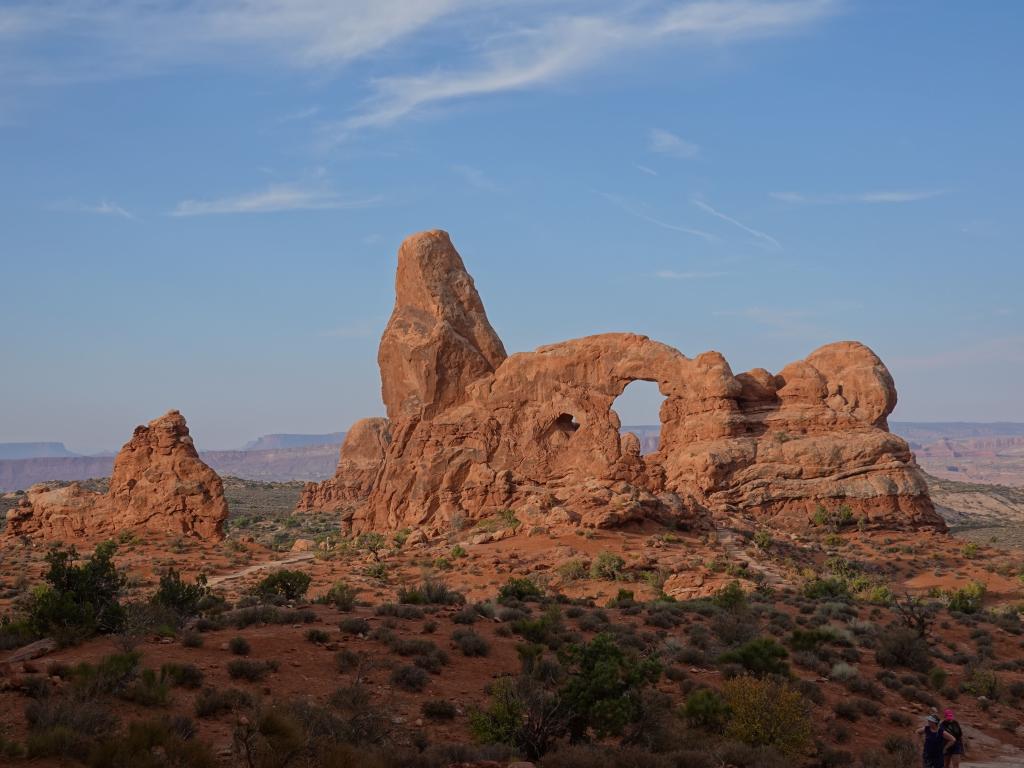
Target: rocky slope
{"points": [[158, 483], [472, 431]]}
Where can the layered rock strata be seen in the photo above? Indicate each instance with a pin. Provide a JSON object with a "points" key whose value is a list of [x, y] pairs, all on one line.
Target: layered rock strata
{"points": [[471, 431], [159, 483]]}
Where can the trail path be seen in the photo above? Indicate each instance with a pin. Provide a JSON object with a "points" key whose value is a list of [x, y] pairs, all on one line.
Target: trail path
{"points": [[249, 570]]}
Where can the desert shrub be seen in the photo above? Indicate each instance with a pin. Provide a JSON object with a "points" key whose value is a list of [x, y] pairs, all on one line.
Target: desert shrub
{"points": [[239, 646], [216, 701], [399, 611], [811, 639], [573, 570], [178, 596], [607, 566], [937, 678], [763, 540], [284, 585], [901, 647], [192, 639], [470, 643], [149, 690], [843, 672], [519, 589], [760, 656], [318, 636], [765, 713], [547, 629], [522, 714], [152, 744], [604, 686], [981, 682], [847, 709], [731, 597], [438, 709], [967, 599], [410, 678], [65, 726], [347, 660], [109, 676], [829, 587], [467, 615], [372, 542], [733, 627], [78, 601], [353, 625], [833, 519], [705, 708], [342, 596], [182, 675], [253, 671], [430, 592]]}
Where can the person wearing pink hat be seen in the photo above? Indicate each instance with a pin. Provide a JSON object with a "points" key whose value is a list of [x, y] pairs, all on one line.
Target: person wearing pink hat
{"points": [[955, 750]]}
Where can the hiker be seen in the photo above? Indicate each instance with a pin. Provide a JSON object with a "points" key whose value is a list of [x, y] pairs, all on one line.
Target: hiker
{"points": [[956, 749], [934, 742]]}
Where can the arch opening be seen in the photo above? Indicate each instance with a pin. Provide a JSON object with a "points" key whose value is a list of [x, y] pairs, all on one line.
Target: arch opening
{"points": [[639, 411]]}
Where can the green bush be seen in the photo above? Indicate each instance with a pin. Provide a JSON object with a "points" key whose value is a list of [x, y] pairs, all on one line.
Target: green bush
{"points": [[520, 589], [760, 656], [607, 566], [811, 639], [438, 709], [470, 643], [317, 636], [182, 675], [903, 647], [176, 595], [253, 671], [239, 646], [430, 592], [353, 625], [604, 686], [342, 596], [522, 714], [78, 601], [731, 597], [410, 678], [216, 701], [573, 570], [705, 708], [152, 744], [284, 584], [967, 599]]}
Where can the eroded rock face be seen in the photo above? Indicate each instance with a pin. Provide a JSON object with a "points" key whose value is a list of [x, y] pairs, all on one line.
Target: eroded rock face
{"points": [[362, 453], [159, 483], [472, 431]]}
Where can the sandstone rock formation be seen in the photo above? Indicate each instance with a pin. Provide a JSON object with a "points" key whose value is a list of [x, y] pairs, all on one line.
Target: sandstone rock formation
{"points": [[471, 431], [159, 483]]}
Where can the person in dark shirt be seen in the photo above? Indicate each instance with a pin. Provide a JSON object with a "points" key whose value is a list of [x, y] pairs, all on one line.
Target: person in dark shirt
{"points": [[934, 742], [955, 750]]}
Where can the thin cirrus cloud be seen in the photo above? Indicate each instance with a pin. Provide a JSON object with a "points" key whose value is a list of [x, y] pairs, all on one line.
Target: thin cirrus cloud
{"points": [[667, 143], [762, 236], [870, 198], [505, 45], [633, 210], [102, 208], [562, 45], [274, 199]]}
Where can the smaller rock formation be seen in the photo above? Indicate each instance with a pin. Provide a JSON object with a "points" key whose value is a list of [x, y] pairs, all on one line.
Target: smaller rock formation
{"points": [[159, 483], [358, 463]]}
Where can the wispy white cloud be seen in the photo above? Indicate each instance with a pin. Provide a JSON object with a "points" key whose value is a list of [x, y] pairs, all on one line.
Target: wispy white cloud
{"points": [[870, 198], [667, 143], [787, 322], [749, 230], [668, 274], [633, 210], [501, 45], [273, 199], [475, 178], [102, 208], [561, 45], [645, 169]]}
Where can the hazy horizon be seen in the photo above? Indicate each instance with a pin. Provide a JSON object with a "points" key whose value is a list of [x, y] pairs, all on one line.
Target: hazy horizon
{"points": [[201, 204]]}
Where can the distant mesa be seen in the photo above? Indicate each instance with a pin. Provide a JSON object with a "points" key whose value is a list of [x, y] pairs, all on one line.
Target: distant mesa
{"points": [[159, 483], [34, 451], [471, 430], [274, 442]]}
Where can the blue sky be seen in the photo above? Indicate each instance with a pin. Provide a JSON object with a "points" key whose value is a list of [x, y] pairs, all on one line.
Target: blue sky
{"points": [[200, 203]]}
